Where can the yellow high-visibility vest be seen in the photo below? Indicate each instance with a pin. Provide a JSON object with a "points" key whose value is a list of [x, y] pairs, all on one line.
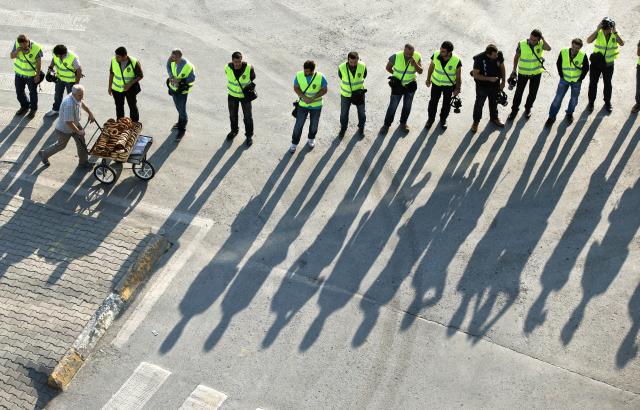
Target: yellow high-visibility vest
{"points": [[401, 64], [571, 69], [529, 64], [186, 70], [357, 80], [120, 78], [21, 64], [439, 75], [233, 88], [64, 68]]}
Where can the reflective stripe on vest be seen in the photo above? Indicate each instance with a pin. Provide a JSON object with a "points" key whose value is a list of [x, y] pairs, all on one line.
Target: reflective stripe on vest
{"points": [[64, 68], [233, 88], [528, 63], [439, 76], [571, 71], [357, 80], [186, 70], [129, 73], [400, 65], [608, 49], [313, 89], [21, 62]]}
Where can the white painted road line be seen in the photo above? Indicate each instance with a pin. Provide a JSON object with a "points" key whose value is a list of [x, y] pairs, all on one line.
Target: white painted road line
{"points": [[159, 286], [204, 398], [41, 19], [7, 83], [139, 388]]}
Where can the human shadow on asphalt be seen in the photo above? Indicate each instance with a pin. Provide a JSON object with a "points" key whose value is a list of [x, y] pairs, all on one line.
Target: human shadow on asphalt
{"points": [[586, 218], [629, 348], [493, 272], [213, 280], [302, 280]]}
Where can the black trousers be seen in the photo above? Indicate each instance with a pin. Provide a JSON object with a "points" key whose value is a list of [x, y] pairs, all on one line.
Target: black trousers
{"points": [[436, 92], [484, 92], [132, 102], [234, 104], [534, 84], [594, 77]]}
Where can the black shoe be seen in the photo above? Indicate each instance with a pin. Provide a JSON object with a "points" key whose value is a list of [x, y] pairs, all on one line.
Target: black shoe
{"points": [[384, 129], [180, 134], [32, 114], [342, 132], [22, 111], [549, 122], [248, 142], [44, 161], [569, 119], [443, 125], [429, 123], [231, 135], [512, 116], [590, 107], [608, 107], [527, 113], [361, 133]]}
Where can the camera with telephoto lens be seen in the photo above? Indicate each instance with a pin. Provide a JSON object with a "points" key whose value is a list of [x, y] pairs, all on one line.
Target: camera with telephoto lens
{"points": [[502, 98], [456, 103], [512, 81], [607, 23]]}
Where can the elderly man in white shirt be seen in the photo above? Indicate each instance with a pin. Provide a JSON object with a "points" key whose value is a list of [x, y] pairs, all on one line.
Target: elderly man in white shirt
{"points": [[68, 126]]}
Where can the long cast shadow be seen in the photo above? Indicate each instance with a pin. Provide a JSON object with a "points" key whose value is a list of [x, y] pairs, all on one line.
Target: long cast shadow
{"points": [[629, 348]]}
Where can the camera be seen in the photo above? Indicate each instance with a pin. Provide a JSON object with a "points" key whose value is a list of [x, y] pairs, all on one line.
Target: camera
{"points": [[502, 98], [512, 81], [607, 23], [456, 103]]}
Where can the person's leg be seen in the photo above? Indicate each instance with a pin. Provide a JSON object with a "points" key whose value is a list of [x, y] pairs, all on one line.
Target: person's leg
{"points": [[118, 99], [517, 96], [60, 144], [436, 91], [21, 83], [575, 94], [345, 105], [180, 101], [481, 96], [447, 92], [362, 116], [534, 84], [301, 118], [638, 86], [247, 118], [81, 146], [492, 95], [132, 101], [394, 101], [33, 93], [407, 101], [313, 122], [594, 77], [563, 86], [58, 94], [607, 76], [233, 104]]}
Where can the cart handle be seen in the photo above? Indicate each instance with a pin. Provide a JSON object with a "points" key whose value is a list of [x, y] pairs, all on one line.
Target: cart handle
{"points": [[95, 133]]}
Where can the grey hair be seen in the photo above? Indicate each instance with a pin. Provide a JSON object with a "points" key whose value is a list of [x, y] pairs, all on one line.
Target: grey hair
{"points": [[177, 52], [77, 88]]}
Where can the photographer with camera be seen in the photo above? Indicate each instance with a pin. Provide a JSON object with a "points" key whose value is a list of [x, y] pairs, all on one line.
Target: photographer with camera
{"points": [[529, 63], [182, 76], [240, 76], [573, 66], [607, 39], [489, 74], [67, 73], [403, 67], [444, 74], [352, 74], [27, 56]]}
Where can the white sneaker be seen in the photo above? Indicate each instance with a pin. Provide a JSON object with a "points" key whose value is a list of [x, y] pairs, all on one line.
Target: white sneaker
{"points": [[311, 143], [292, 148], [51, 113]]}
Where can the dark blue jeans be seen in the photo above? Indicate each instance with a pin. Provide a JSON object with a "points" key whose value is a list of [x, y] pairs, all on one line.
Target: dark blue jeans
{"points": [[32, 101], [345, 105], [563, 87], [180, 100], [301, 118], [59, 93], [407, 100]]}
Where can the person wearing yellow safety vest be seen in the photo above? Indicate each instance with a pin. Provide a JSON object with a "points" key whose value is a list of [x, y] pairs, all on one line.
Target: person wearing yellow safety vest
{"points": [[573, 66], [528, 62], [182, 76], [444, 79], [352, 74], [310, 86], [605, 52], [68, 72], [403, 67], [27, 56], [125, 74], [636, 107], [239, 76]]}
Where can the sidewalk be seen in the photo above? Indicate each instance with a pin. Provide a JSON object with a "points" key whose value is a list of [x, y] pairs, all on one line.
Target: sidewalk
{"points": [[56, 270]]}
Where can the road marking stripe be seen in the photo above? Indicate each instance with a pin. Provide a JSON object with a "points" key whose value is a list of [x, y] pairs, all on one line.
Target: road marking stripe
{"points": [[7, 83], [139, 388], [41, 19], [204, 398], [157, 289]]}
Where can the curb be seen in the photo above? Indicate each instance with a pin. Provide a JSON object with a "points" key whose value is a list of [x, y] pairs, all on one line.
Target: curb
{"points": [[113, 305]]}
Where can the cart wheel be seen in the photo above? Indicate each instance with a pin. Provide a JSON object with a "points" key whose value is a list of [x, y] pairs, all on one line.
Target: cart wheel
{"points": [[144, 170], [105, 174]]}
